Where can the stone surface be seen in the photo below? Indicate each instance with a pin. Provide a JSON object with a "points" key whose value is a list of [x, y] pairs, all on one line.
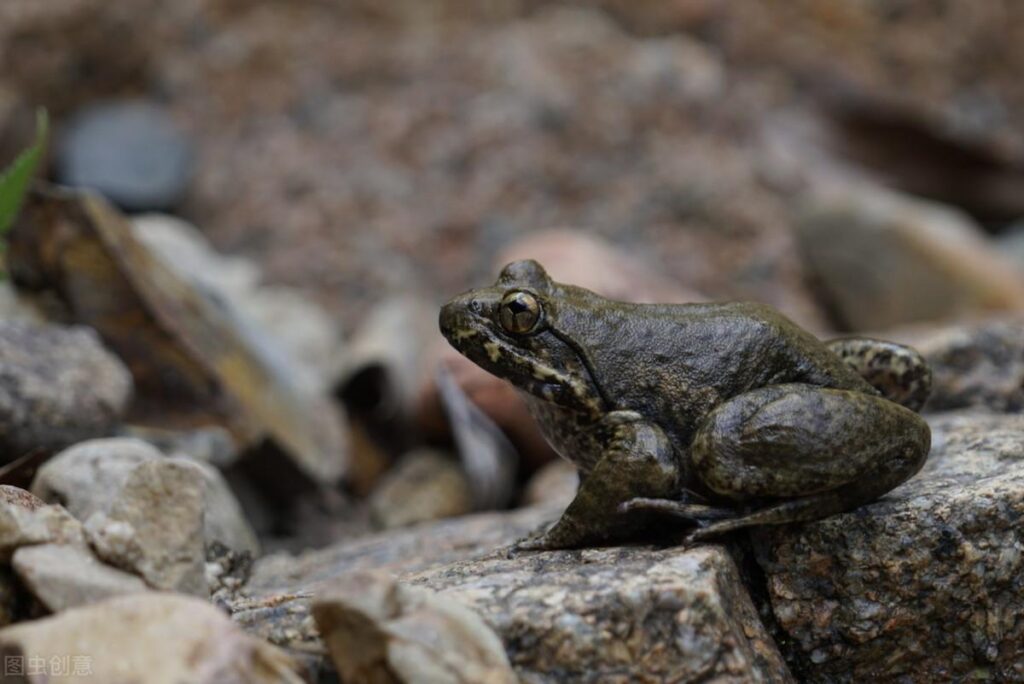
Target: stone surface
{"points": [[377, 629], [26, 520], [154, 638], [594, 615], [923, 585], [883, 259], [975, 364], [424, 485], [130, 152], [154, 526], [62, 576], [57, 386], [87, 478]]}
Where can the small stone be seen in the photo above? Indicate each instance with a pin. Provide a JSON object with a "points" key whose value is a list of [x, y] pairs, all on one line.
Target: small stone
{"points": [[58, 386], [555, 484], [26, 520], [883, 259], [377, 629], [63, 576], [424, 485], [130, 152], [154, 526], [87, 478], [151, 637]]}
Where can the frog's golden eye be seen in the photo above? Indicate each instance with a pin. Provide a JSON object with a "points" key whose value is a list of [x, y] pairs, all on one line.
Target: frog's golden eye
{"points": [[519, 312]]}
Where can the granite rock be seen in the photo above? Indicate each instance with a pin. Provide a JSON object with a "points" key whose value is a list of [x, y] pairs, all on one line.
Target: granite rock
{"points": [[62, 576], [923, 585], [26, 520]]}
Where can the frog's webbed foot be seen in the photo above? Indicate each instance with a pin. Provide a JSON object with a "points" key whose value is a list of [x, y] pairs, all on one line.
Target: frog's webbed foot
{"points": [[639, 461]]}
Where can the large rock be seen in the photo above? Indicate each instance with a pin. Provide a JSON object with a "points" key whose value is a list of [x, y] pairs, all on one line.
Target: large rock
{"points": [[57, 386], [86, 478], [154, 527], [883, 259], [154, 638], [924, 585], [593, 615], [25, 520]]}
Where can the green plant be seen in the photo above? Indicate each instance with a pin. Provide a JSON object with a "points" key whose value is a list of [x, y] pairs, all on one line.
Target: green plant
{"points": [[15, 178]]}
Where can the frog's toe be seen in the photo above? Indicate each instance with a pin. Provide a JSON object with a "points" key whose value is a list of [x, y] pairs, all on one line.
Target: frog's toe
{"points": [[679, 509]]}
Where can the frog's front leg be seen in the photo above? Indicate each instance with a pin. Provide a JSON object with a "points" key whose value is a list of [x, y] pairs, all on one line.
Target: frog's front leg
{"points": [[791, 453], [637, 460]]}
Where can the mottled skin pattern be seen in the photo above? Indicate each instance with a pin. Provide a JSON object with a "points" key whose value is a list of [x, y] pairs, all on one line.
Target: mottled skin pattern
{"points": [[726, 415]]}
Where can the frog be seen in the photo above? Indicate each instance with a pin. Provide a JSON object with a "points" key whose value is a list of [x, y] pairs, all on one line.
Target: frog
{"points": [[703, 418]]}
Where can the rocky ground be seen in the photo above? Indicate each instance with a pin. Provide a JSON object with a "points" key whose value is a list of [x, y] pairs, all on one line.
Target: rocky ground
{"points": [[234, 447]]}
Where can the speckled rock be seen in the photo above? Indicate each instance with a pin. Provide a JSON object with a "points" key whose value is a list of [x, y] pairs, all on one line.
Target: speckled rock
{"points": [[596, 615], [377, 629], [884, 259], [979, 364], [58, 386], [154, 527], [87, 477], [154, 637], [924, 585]]}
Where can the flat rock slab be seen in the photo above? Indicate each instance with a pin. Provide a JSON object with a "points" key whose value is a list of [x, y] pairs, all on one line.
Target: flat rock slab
{"points": [[611, 614], [924, 585]]}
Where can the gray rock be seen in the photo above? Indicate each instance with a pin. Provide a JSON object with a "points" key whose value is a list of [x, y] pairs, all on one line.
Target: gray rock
{"points": [[883, 259], [151, 637], [58, 386], [25, 520], [595, 615], [924, 585], [154, 527], [63, 576], [424, 485], [130, 152], [377, 629], [87, 478]]}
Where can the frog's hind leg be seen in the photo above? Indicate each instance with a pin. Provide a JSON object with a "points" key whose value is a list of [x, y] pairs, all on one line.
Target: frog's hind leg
{"points": [[800, 452], [899, 372]]}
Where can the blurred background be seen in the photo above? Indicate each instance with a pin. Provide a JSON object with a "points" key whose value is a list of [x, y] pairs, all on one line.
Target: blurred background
{"points": [[859, 165]]}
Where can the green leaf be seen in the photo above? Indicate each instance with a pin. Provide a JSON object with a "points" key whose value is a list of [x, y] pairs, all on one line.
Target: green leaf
{"points": [[15, 178]]}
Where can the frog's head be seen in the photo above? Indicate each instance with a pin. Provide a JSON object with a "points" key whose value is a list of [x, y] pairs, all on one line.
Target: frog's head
{"points": [[511, 330]]}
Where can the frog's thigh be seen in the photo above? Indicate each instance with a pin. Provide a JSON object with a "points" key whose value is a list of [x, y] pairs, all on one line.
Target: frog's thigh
{"points": [[795, 440], [639, 462]]}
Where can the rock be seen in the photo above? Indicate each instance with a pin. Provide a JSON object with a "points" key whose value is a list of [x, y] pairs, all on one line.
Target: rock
{"points": [[424, 485], [376, 629], [923, 585], [312, 340], [25, 520], [16, 307], [88, 477], [130, 152], [594, 615], [153, 527], [555, 484], [154, 638], [975, 364], [58, 386], [63, 576], [883, 259]]}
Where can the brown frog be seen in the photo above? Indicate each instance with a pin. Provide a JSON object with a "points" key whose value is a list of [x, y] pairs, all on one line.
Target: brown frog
{"points": [[727, 415]]}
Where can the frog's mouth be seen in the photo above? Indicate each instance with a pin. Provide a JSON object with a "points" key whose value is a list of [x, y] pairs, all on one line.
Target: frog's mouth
{"points": [[526, 362]]}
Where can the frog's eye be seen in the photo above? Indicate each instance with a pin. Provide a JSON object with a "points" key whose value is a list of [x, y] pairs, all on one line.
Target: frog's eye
{"points": [[519, 312]]}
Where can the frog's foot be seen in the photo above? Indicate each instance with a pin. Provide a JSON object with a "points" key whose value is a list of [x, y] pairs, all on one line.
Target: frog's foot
{"points": [[900, 373], [698, 513], [811, 452], [639, 462]]}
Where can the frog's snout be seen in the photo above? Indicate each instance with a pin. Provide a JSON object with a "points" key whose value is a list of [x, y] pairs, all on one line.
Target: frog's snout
{"points": [[456, 318]]}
